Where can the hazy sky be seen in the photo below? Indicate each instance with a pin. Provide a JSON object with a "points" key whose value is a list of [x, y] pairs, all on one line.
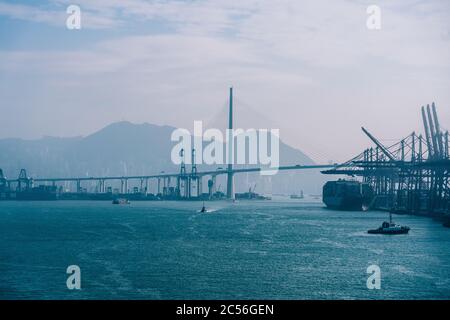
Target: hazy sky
{"points": [[311, 67]]}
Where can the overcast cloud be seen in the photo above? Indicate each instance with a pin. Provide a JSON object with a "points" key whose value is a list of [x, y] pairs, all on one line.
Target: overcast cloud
{"points": [[311, 67]]}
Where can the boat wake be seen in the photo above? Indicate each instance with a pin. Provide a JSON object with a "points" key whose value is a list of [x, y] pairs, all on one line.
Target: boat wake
{"points": [[208, 210]]}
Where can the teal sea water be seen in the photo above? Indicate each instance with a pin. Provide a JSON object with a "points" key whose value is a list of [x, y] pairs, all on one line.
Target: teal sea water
{"points": [[279, 249]]}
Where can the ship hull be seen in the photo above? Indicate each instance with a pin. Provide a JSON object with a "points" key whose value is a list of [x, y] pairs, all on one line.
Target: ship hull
{"points": [[344, 203], [346, 195], [377, 231]]}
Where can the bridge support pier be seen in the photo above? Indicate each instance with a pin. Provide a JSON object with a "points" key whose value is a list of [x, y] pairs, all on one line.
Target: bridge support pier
{"points": [[188, 190], [230, 185], [212, 186], [124, 186], [101, 186], [199, 187]]}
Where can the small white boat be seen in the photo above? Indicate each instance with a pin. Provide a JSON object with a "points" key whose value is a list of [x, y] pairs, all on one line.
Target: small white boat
{"points": [[121, 201]]}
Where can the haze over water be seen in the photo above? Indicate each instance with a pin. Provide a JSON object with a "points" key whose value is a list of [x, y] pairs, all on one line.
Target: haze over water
{"points": [[279, 249]]}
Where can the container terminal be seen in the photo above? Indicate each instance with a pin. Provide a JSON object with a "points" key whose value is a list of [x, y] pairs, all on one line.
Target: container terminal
{"points": [[411, 176]]}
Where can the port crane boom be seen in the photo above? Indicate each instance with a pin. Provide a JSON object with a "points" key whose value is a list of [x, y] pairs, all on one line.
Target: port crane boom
{"points": [[379, 145]]}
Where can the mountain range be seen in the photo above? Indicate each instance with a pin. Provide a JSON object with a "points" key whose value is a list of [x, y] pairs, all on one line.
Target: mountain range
{"points": [[124, 148]]}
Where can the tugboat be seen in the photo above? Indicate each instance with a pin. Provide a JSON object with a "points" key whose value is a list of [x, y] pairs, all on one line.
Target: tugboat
{"points": [[390, 228], [203, 210]]}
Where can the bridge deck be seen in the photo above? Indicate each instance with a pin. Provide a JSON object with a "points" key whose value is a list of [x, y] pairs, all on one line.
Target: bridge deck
{"points": [[171, 175]]}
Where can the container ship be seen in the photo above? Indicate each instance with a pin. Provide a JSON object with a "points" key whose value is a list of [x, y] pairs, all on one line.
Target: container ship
{"points": [[347, 195]]}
